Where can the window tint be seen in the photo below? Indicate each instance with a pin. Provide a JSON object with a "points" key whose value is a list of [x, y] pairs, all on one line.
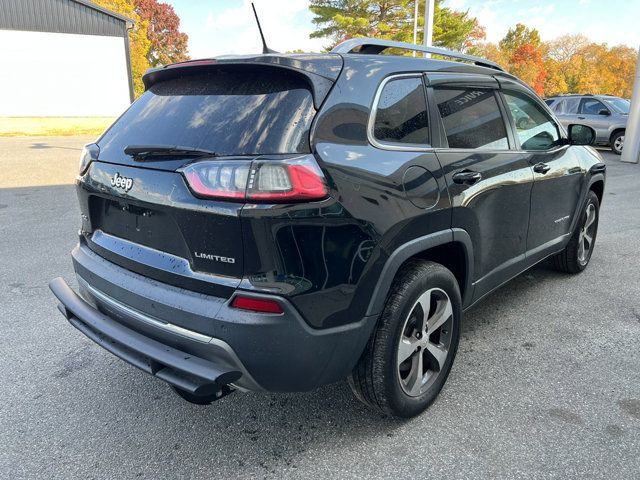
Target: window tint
{"points": [[536, 130], [591, 106], [231, 112], [401, 116], [471, 118]]}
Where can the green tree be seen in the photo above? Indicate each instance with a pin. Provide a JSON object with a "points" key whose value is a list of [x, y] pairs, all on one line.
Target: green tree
{"points": [[393, 19], [519, 36]]}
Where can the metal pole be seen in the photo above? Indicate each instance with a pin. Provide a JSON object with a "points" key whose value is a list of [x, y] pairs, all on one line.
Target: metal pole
{"points": [[415, 24], [631, 149], [428, 24]]}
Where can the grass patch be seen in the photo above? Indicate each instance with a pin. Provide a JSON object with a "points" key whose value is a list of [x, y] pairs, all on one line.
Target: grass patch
{"points": [[53, 126]]}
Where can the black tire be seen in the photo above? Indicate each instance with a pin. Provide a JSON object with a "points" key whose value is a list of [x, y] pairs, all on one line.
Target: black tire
{"points": [[377, 378], [617, 143], [569, 259]]}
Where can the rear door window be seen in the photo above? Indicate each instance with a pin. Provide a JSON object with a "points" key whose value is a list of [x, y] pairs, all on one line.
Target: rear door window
{"points": [[472, 118], [230, 112], [401, 113]]}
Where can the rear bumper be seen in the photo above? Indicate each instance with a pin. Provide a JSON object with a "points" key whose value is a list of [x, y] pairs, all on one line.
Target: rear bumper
{"points": [[138, 319], [180, 369]]}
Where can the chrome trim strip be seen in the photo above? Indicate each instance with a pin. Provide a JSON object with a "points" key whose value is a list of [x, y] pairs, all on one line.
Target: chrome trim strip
{"points": [[142, 317], [372, 119]]}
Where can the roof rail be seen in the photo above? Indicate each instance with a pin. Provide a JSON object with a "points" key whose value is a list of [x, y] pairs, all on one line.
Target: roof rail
{"points": [[375, 46]]}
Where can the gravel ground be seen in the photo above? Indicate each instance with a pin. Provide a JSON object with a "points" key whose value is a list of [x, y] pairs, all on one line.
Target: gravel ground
{"points": [[546, 383]]}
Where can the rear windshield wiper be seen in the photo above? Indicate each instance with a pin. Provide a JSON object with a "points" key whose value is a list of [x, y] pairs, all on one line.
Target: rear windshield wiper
{"points": [[142, 152]]}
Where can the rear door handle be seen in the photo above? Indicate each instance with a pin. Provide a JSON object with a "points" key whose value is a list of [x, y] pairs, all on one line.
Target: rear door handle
{"points": [[581, 118], [541, 168], [467, 177]]}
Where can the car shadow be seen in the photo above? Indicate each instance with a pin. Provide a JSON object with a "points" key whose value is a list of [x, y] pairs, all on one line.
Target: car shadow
{"points": [[44, 145]]}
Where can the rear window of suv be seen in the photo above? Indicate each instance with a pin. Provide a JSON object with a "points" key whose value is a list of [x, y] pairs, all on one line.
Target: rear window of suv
{"points": [[401, 113], [231, 112]]}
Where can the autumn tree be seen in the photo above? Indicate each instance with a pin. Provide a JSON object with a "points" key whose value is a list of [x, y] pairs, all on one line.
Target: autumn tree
{"points": [[168, 44], [565, 47], [519, 36], [523, 54], [393, 19], [527, 64], [568, 64], [555, 83], [586, 67], [138, 42]]}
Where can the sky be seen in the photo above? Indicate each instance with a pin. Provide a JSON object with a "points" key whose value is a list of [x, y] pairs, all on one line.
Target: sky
{"points": [[219, 27]]}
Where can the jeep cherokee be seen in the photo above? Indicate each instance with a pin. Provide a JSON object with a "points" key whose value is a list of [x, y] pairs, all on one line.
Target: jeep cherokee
{"points": [[279, 222]]}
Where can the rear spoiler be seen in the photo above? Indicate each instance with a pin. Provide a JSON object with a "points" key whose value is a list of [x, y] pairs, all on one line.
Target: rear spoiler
{"points": [[319, 70]]}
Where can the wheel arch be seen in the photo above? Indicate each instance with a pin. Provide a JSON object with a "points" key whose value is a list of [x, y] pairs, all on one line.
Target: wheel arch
{"points": [[451, 248], [597, 186], [614, 132]]}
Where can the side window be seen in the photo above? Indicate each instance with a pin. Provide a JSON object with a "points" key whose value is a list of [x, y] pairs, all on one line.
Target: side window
{"points": [[536, 130], [472, 119], [591, 106], [401, 114], [571, 105], [567, 106]]}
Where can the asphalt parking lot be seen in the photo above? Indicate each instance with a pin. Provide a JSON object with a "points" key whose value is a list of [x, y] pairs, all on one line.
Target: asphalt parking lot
{"points": [[546, 382]]}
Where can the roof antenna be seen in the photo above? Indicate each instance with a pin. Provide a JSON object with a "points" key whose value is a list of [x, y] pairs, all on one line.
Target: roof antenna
{"points": [[265, 49]]}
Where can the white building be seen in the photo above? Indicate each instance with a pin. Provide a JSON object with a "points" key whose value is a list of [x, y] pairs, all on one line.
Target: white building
{"points": [[63, 58]]}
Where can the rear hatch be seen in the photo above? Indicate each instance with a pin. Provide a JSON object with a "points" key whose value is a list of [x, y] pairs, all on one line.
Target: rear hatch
{"points": [[140, 210]]}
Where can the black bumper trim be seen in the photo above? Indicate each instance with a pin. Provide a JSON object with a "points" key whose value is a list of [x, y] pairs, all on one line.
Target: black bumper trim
{"points": [[183, 370]]}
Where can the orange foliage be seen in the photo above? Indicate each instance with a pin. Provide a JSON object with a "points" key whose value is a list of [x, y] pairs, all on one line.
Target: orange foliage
{"points": [[527, 64], [569, 64]]}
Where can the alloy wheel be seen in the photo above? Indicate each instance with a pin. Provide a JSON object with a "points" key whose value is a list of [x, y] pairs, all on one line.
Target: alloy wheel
{"points": [[425, 342], [587, 232], [619, 143]]}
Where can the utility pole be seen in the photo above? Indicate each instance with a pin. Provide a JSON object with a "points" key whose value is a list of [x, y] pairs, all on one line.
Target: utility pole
{"points": [[415, 24], [631, 148], [428, 24]]}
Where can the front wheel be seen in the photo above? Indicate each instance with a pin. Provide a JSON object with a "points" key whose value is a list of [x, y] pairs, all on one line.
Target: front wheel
{"points": [[576, 255], [617, 142], [409, 356]]}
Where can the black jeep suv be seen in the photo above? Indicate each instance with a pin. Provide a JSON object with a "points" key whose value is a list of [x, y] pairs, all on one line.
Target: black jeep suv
{"points": [[279, 222]]}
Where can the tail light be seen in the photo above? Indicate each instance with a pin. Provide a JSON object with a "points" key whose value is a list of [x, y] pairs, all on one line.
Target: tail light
{"points": [[295, 179], [261, 305], [89, 154]]}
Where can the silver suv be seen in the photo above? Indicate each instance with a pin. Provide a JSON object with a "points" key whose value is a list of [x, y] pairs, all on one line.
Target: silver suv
{"points": [[606, 114]]}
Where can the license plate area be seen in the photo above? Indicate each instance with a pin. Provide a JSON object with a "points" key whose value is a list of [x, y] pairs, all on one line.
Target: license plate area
{"points": [[140, 224]]}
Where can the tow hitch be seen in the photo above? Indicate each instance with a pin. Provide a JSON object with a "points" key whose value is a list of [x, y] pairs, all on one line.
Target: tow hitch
{"points": [[206, 398]]}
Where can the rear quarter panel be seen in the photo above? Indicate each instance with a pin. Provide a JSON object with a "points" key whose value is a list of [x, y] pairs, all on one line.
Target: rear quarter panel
{"points": [[369, 183]]}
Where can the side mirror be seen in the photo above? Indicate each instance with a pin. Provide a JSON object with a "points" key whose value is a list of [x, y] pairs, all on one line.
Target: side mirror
{"points": [[581, 135], [605, 112]]}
